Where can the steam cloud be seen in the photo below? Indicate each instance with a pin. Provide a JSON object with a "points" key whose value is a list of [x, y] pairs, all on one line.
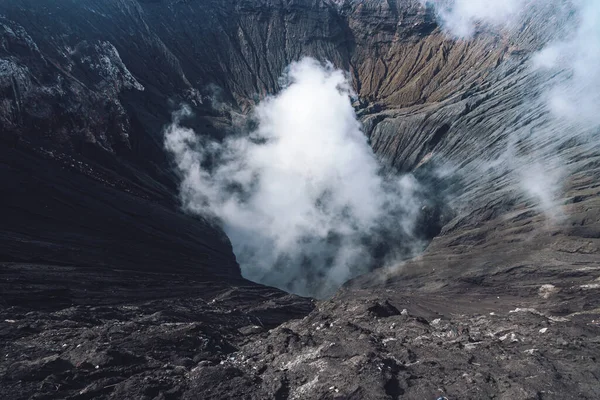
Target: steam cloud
{"points": [[577, 96], [301, 196], [571, 91], [461, 17]]}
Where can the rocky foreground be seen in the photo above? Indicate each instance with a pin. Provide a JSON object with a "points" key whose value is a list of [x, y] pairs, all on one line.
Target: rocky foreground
{"points": [[248, 342]]}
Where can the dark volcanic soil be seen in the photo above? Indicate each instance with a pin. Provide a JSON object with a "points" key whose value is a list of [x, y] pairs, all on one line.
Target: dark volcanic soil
{"points": [[69, 333], [201, 343]]}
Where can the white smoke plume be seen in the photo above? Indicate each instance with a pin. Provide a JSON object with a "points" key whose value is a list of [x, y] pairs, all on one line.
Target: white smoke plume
{"points": [[571, 87], [578, 54], [301, 196], [576, 98], [460, 18]]}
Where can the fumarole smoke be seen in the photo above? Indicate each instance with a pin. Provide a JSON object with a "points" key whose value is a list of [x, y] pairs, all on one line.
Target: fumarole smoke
{"points": [[563, 71], [301, 196]]}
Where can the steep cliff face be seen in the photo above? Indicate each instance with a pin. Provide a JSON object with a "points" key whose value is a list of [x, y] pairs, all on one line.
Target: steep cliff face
{"points": [[93, 84], [87, 87], [100, 80]]}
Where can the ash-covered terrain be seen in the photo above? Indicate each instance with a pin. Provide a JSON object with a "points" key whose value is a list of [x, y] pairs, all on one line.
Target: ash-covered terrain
{"points": [[123, 270]]}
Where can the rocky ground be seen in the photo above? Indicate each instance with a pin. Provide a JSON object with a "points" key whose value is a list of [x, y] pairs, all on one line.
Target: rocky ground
{"points": [[372, 348], [249, 342], [117, 334]]}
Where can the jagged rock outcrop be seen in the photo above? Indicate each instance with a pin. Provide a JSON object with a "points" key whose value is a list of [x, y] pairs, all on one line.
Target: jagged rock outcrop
{"points": [[95, 253]]}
